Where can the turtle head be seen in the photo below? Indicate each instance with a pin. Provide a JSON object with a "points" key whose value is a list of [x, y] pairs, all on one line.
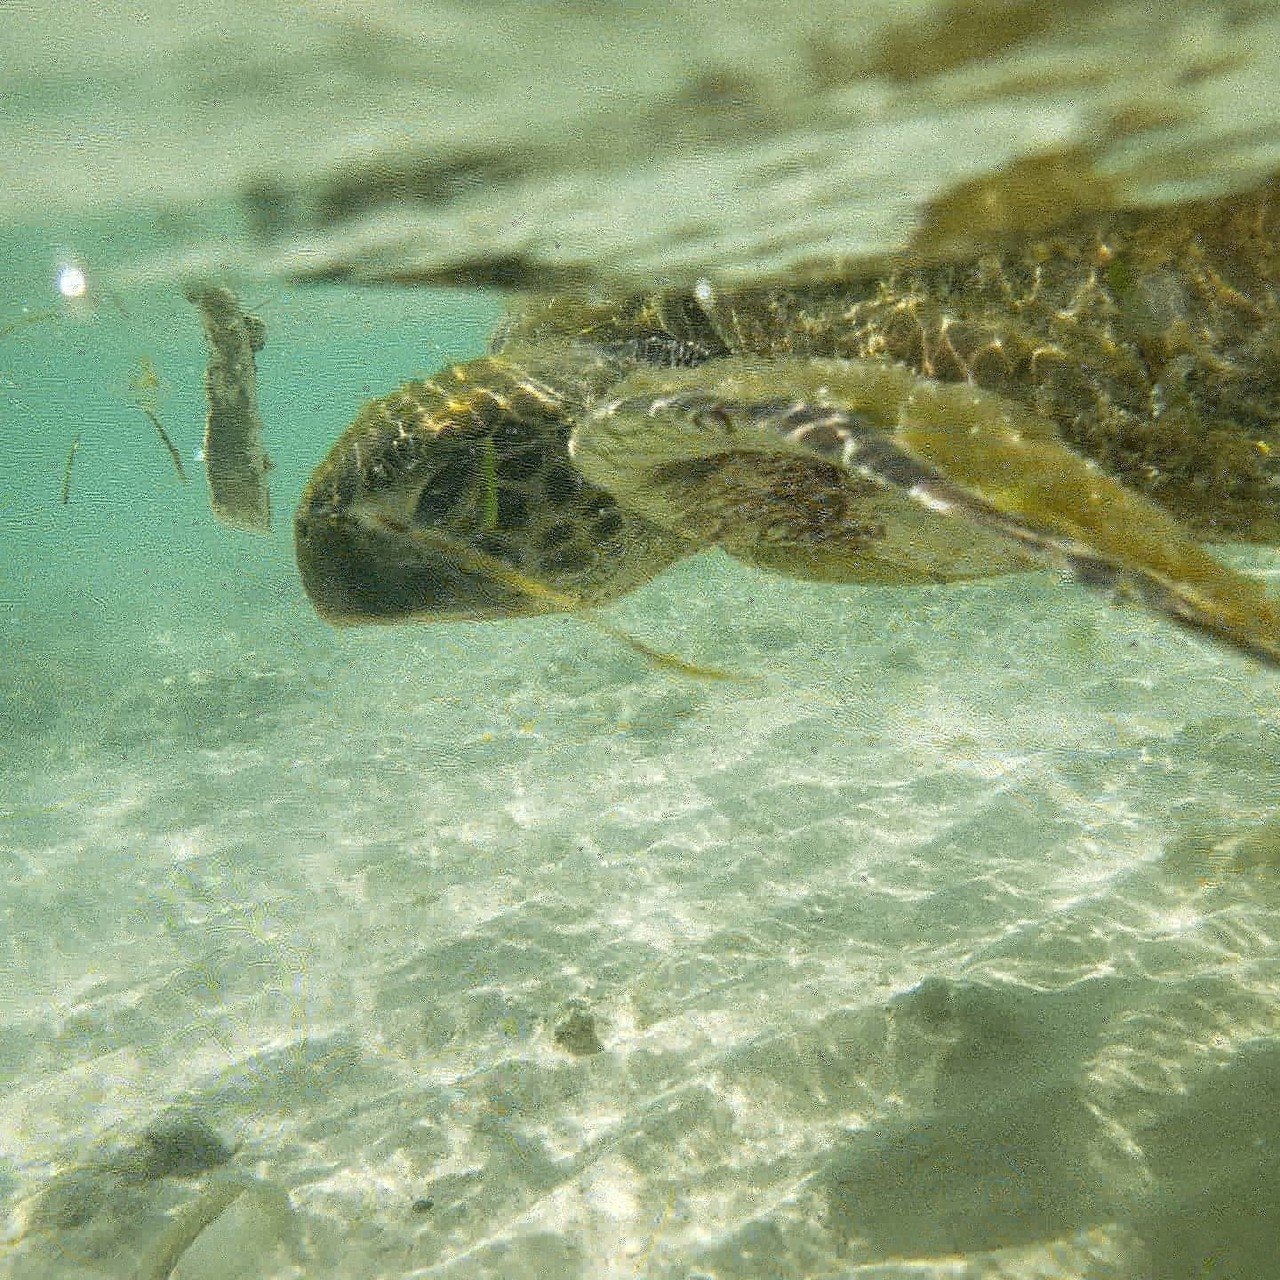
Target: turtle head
{"points": [[456, 499]]}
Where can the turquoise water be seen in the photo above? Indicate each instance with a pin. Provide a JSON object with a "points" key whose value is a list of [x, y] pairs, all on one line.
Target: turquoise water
{"points": [[943, 942]]}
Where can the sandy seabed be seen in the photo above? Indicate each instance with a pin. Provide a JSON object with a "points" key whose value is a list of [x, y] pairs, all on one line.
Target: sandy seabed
{"points": [[940, 943]]}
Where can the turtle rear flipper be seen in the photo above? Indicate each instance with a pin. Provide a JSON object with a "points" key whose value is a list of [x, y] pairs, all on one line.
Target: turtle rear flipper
{"points": [[968, 459], [454, 498]]}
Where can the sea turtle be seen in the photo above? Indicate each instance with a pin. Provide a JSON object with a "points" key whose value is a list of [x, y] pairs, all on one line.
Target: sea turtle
{"points": [[1102, 398]]}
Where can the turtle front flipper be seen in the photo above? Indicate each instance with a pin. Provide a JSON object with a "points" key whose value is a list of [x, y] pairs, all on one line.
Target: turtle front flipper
{"points": [[454, 498], [969, 459]]}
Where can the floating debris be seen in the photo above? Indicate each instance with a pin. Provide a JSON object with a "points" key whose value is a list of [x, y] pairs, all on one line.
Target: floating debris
{"points": [[145, 386], [154, 419], [658, 657], [235, 461], [72, 281], [66, 469]]}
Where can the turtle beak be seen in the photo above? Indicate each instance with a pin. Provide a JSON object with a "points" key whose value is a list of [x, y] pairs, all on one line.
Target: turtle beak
{"points": [[354, 573], [363, 561]]}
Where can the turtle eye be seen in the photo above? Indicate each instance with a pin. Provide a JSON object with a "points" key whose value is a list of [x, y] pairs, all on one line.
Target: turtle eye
{"points": [[376, 543], [445, 495]]}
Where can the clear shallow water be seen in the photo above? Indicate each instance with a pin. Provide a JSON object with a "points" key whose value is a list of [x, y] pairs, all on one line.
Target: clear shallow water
{"points": [[921, 950]]}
